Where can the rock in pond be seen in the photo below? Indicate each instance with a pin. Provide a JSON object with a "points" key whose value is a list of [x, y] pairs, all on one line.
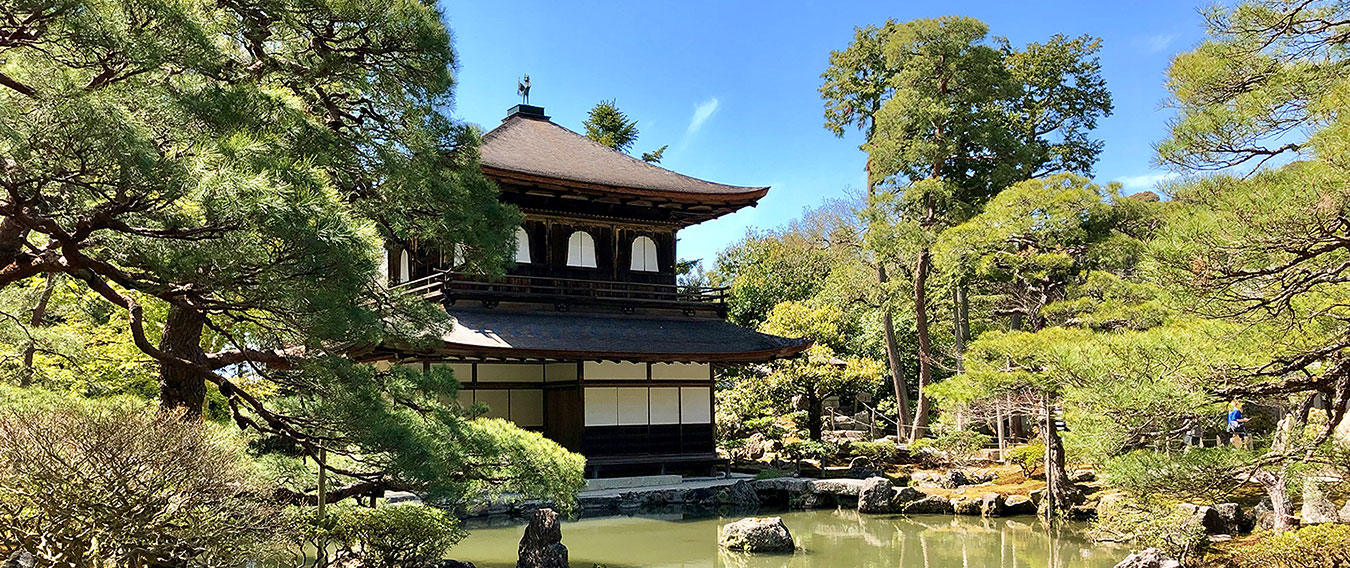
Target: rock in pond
{"points": [[929, 505], [767, 534], [876, 496], [1018, 505], [1148, 558], [542, 546]]}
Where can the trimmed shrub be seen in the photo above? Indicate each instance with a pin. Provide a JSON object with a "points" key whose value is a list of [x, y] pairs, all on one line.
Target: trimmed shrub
{"points": [[87, 483], [878, 452], [1028, 457], [958, 447], [1315, 546], [393, 536]]}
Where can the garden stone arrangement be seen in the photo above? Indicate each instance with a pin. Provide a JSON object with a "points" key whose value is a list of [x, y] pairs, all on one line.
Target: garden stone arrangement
{"points": [[767, 534]]}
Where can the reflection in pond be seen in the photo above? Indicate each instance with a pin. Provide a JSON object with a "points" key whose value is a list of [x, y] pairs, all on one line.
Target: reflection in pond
{"points": [[826, 538]]}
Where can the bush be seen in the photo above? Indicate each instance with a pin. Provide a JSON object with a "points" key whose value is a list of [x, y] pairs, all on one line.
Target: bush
{"points": [[394, 536], [1150, 524], [1316, 546], [115, 484], [958, 447], [878, 452], [1028, 457], [811, 449]]}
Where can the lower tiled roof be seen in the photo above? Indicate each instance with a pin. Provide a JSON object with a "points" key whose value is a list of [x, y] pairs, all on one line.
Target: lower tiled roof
{"points": [[501, 333]]}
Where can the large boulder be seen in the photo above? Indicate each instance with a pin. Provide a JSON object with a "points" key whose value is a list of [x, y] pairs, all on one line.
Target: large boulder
{"points": [[1205, 516], [1317, 507], [1148, 558], [905, 495], [1018, 505], [876, 496], [955, 478], [20, 559], [542, 546], [993, 505], [928, 505], [767, 534], [965, 506], [1235, 520], [1345, 511]]}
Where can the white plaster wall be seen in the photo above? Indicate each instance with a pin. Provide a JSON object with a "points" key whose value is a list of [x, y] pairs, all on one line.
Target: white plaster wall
{"points": [[695, 405], [665, 405], [508, 372], [602, 406], [560, 372], [632, 406], [614, 371], [681, 371], [463, 371]]}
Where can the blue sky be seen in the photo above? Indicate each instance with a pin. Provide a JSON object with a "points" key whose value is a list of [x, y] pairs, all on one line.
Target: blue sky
{"points": [[732, 86]]}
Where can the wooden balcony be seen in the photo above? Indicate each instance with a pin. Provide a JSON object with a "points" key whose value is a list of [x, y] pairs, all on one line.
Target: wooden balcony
{"points": [[564, 293]]}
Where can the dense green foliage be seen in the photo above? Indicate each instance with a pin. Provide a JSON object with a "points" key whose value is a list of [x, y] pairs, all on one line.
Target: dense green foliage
{"points": [[609, 126], [395, 536], [1325, 545], [199, 194]]}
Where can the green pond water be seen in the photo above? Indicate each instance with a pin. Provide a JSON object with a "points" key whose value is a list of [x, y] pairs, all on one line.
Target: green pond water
{"points": [[824, 538]]}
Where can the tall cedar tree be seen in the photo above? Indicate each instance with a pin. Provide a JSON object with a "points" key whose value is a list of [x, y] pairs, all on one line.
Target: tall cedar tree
{"points": [[950, 117], [239, 163]]}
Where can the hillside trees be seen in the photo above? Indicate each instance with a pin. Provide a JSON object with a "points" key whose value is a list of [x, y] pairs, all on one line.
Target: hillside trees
{"points": [[950, 118], [223, 175]]}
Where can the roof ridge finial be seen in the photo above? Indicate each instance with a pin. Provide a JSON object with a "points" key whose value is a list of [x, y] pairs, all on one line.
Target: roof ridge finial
{"points": [[523, 89]]}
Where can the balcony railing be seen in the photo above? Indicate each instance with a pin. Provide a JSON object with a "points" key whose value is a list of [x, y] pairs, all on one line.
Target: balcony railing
{"points": [[451, 287]]}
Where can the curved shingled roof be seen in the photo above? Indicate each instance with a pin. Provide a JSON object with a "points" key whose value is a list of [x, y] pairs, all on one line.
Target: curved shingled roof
{"points": [[535, 146]]}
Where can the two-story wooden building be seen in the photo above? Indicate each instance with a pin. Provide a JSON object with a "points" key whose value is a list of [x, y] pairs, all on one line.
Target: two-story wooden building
{"points": [[589, 338]]}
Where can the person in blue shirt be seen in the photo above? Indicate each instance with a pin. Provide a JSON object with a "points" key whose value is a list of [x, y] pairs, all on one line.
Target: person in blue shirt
{"points": [[1237, 425]]}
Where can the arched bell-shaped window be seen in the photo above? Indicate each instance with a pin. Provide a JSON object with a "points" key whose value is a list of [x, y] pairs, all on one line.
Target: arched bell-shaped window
{"points": [[644, 255], [404, 267], [581, 250], [522, 246]]}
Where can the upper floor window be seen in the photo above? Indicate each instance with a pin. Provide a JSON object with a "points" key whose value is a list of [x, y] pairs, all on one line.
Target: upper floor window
{"points": [[581, 250], [404, 267], [522, 246], [644, 255]]}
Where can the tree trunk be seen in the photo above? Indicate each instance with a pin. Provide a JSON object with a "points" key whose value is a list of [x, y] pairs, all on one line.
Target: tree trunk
{"points": [[921, 271], [35, 320], [961, 324], [182, 386], [1002, 432], [1059, 491], [902, 418], [1282, 507], [814, 417]]}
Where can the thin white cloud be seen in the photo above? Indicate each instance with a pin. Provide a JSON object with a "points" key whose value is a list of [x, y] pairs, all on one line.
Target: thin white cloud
{"points": [[1144, 182], [702, 112], [1158, 42]]}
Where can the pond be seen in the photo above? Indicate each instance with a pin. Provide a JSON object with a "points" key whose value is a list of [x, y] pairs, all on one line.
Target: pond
{"points": [[836, 538]]}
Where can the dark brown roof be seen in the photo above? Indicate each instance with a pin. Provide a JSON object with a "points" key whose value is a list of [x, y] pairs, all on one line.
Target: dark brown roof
{"points": [[536, 147], [499, 333]]}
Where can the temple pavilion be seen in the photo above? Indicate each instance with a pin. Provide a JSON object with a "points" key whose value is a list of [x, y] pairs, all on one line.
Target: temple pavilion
{"points": [[588, 338]]}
